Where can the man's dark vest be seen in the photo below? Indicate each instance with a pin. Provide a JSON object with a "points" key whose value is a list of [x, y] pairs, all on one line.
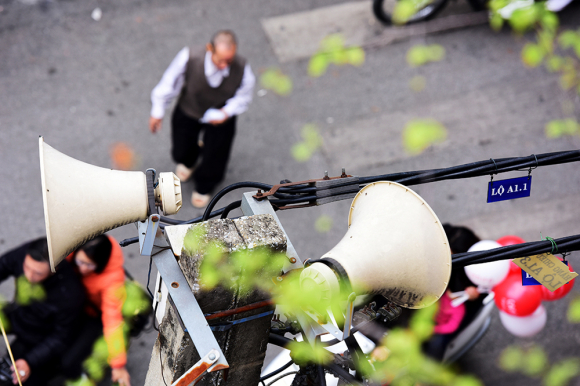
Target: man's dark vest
{"points": [[197, 95]]}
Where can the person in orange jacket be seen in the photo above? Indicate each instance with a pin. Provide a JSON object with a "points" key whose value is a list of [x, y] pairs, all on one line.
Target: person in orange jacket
{"points": [[100, 264]]}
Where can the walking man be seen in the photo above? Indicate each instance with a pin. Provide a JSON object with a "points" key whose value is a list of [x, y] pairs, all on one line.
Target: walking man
{"points": [[214, 86]]}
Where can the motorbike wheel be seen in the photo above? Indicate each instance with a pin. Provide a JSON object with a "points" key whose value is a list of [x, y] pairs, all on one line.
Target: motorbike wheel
{"points": [[383, 10], [478, 5]]}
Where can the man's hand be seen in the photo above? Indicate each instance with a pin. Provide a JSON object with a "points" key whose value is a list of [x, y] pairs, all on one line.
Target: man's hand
{"points": [[23, 370], [472, 292], [121, 375], [220, 121], [155, 124]]}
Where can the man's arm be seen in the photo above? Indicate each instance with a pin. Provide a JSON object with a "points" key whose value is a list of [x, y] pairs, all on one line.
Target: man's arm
{"points": [[66, 313], [168, 88], [11, 262], [239, 103]]}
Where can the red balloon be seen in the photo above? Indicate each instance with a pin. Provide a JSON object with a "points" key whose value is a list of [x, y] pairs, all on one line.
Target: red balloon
{"points": [[514, 299], [550, 296], [511, 240]]}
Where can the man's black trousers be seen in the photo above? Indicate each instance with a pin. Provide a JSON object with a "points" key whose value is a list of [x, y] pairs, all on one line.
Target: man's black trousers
{"points": [[215, 152]]}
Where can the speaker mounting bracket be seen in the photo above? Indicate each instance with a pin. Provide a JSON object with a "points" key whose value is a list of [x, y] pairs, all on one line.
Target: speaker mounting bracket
{"points": [[147, 232], [187, 307]]}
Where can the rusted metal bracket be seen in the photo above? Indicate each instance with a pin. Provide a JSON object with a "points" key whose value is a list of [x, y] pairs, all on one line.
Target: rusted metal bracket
{"points": [[262, 195], [198, 369]]}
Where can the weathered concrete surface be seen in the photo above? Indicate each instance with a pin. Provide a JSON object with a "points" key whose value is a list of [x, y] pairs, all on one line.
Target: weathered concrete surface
{"points": [[174, 352]]}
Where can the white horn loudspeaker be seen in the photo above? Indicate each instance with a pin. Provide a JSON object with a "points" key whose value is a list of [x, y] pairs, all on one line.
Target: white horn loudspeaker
{"points": [[395, 246], [82, 201]]}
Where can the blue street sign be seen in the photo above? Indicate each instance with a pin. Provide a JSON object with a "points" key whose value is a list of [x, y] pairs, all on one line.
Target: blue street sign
{"points": [[509, 189], [528, 279]]}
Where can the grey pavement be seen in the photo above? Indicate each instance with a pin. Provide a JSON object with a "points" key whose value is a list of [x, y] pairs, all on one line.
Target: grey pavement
{"points": [[84, 85]]}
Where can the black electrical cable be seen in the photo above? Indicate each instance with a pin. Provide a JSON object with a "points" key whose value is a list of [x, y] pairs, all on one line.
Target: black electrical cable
{"points": [[475, 169], [342, 373], [227, 189], [231, 206], [279, 340], [300, 194], [277, 371], [564, 245], [129, 241]]}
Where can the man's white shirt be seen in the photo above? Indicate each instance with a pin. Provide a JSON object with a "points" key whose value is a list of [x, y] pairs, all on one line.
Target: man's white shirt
{"points": [[172, 80]]}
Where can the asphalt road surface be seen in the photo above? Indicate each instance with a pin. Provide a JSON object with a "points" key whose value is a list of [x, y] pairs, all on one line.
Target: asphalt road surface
{"points": [[84, 85]]}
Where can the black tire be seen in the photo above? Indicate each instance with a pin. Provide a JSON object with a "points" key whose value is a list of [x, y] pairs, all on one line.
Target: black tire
{"points": [[478, 5], [425, 13]]}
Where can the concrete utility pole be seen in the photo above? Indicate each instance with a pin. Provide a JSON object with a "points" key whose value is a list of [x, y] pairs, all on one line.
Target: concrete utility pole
{"points": [[243, 344]]}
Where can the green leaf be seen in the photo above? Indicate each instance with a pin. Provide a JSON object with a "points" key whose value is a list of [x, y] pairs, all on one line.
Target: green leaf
{"points": [[511, 359], [549, 21], [568, 79], [562, 372], [435, 52], [417, 83], [574, 310], [496, 21], [317, 65], [420, 134], [466, 380], [311, 136], [301, 152], [356, 56], [284, 86], [323, 224], [274, 79], [417, 56], [568, 39], [535, 362], [554, 63], [532, 55], [403, 11], [523, 19], [334, 42]]}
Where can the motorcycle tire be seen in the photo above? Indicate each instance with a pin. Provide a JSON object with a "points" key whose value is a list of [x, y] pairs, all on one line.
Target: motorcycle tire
{"points": [[426, 13], [478, 5]]}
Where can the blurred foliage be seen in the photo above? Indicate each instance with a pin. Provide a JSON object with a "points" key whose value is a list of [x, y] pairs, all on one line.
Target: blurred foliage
{"points": [[397, 361], [533, 362], [303, 353], [419, 55], [333, 51], [559, 53], [27, 292], [405, 363], [311, 141], [323, 224], [559, 128], [419, 134], [83, 380], [574, 310], [135, 302], [418, 83], [123, 156], [274, 79], [240, 270], [562, 372], [405, 9], [511, 359]]}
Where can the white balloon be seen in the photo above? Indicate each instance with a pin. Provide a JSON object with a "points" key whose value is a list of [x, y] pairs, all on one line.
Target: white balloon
{"points": [[524, 326], [487, 275]]}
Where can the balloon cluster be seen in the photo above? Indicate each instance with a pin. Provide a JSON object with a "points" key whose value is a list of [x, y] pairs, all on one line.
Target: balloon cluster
{"points": [[520, 307]]}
